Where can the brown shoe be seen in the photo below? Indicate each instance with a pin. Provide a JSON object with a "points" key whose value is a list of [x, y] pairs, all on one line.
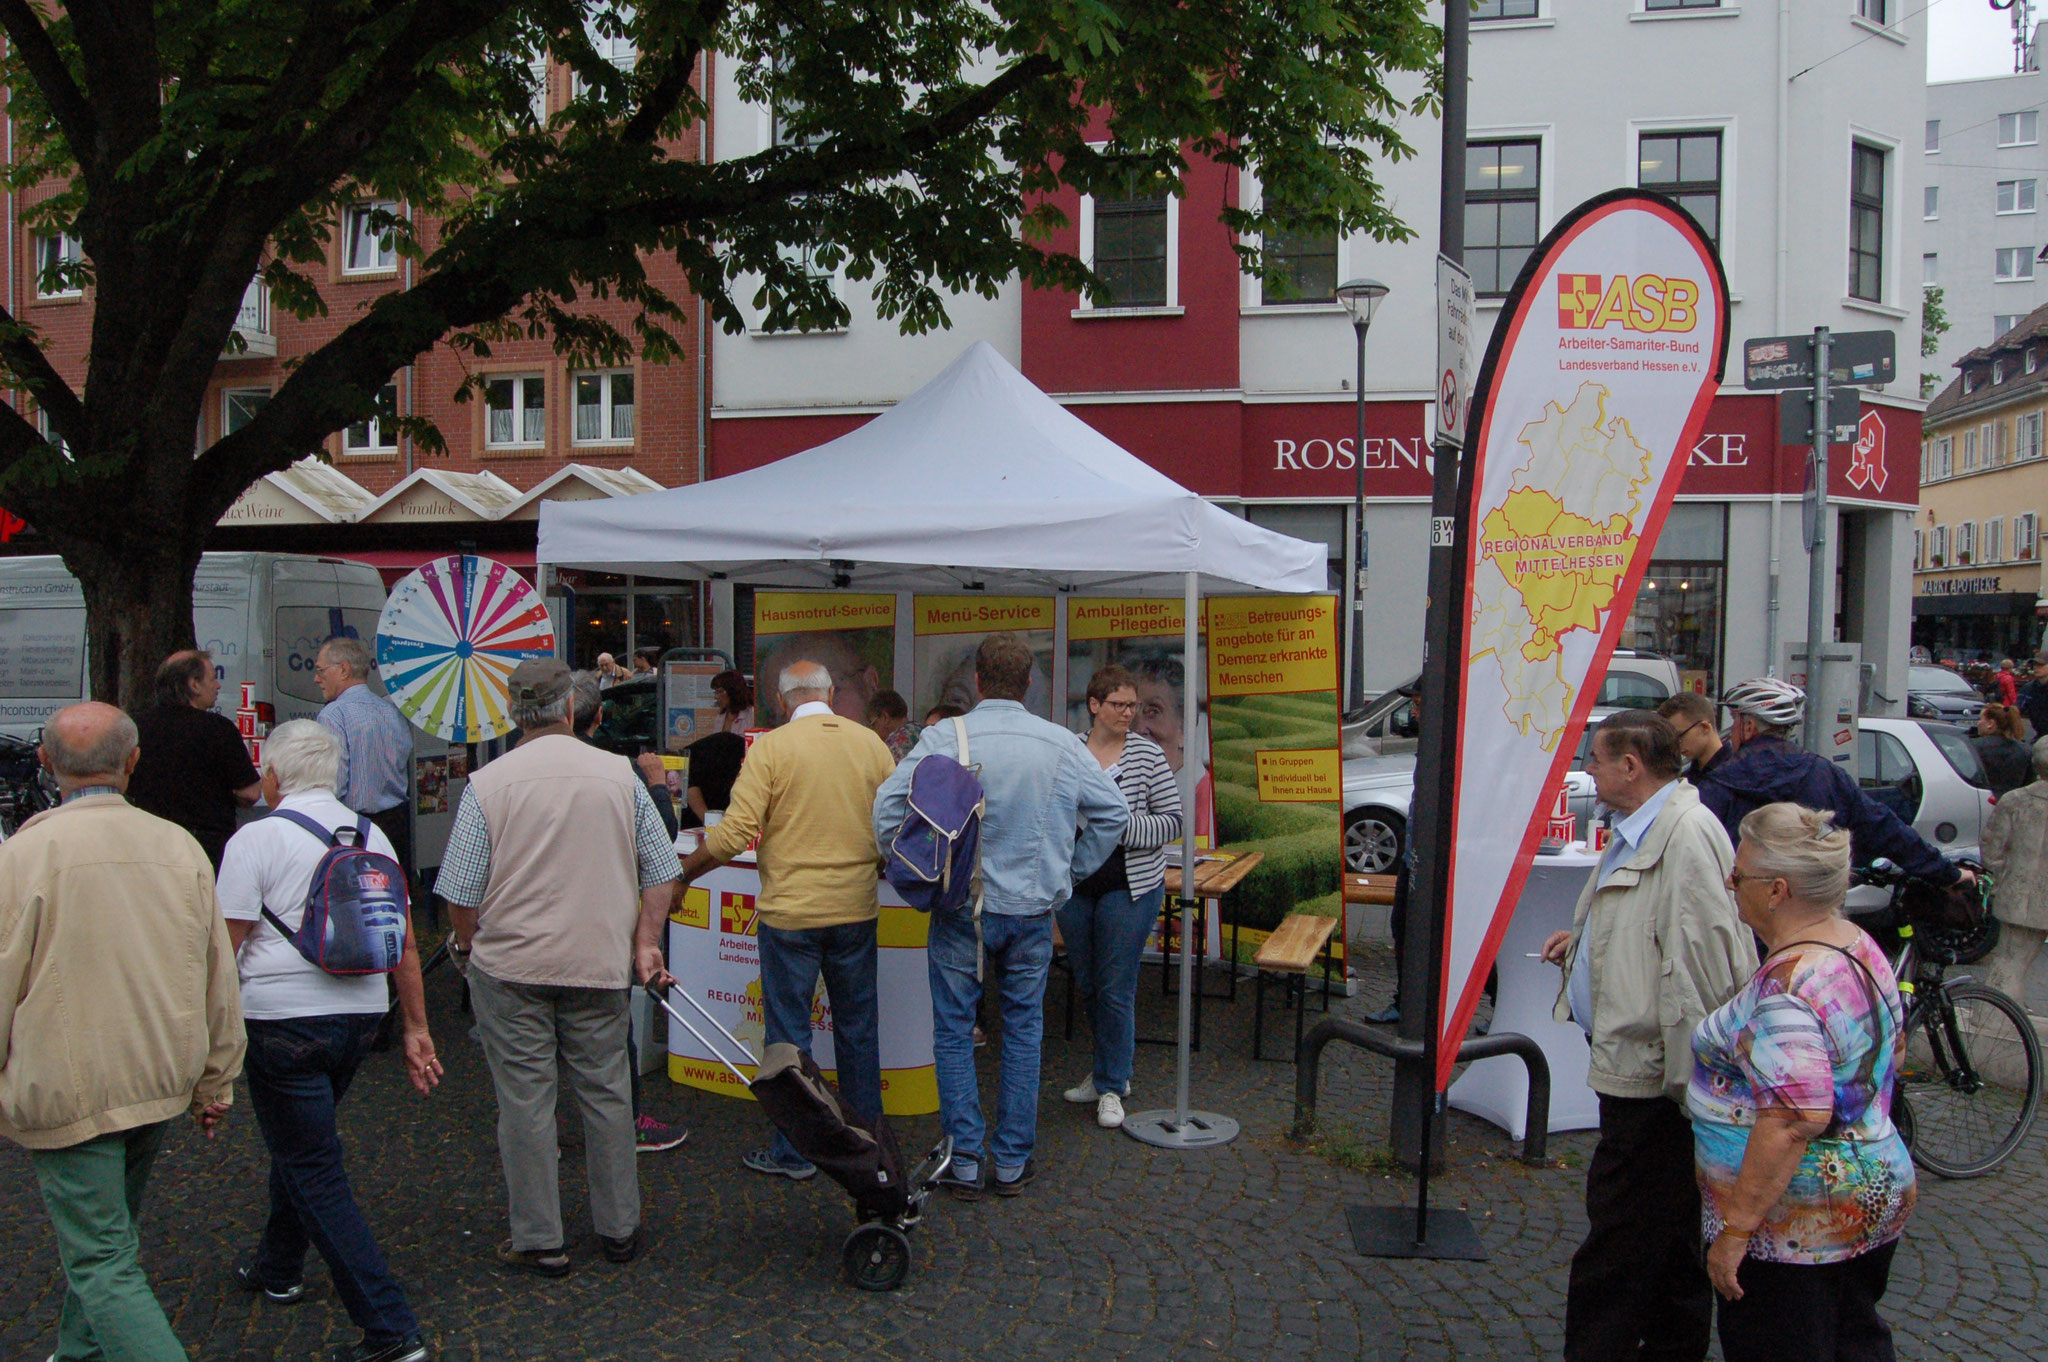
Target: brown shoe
{"points": [[621, 1250], [541, 1262]]}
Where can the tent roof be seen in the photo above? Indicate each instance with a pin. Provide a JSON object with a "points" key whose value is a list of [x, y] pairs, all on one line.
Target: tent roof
{"points": [[976, 481]]}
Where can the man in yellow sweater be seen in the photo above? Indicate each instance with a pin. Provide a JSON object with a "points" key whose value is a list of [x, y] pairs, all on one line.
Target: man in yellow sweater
{"points": [[807, 790]]}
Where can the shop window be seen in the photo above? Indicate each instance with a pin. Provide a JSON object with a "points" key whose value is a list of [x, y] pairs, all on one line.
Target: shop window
{"points": [[238, 407], [372, 246], [1681, 608], [1866, 222], [1503, 199], [58, 256], [2016, 196], [379, 433], [515, 412], [1687, 167], [604, 407]]}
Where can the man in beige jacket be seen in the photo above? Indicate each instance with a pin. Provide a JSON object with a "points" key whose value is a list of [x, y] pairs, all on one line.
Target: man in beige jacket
{"points": [[119, 1010], [1655, 945]]}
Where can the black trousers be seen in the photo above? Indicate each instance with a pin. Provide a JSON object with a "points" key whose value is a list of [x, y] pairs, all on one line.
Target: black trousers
{"points": [[396, 823], [1639, 1287], [1825, 1312]]}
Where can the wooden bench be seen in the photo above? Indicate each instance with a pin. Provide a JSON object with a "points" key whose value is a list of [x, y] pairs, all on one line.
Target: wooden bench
{"points": [[1369, 889], [1289, 953]]}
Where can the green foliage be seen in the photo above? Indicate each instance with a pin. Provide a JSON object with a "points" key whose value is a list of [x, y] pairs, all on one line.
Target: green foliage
{"points": [[1934, 321]]}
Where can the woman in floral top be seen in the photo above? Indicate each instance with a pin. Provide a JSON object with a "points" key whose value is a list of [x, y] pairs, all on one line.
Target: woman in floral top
{"points": [[1805, 1185]]}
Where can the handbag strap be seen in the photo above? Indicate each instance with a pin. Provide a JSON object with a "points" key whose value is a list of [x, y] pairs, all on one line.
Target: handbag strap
{"points": [[1878, 1010]]}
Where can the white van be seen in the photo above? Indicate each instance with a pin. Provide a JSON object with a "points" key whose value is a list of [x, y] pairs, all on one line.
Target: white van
{"points": [[262, 615]]}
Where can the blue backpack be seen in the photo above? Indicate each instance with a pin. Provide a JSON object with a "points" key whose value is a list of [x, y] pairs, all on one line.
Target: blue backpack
{"points": [[354, 922], [934, 861]]}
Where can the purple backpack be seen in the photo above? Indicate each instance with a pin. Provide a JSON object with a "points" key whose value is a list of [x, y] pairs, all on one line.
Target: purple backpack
{"points": [[935, 859], [354, 921]]}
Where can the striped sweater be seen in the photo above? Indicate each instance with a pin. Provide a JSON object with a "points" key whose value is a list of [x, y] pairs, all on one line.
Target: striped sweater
{"points": [[1154, 796]]}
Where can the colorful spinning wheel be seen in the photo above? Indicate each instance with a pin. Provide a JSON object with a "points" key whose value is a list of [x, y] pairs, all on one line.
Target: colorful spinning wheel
{"points": [[449, 638]]}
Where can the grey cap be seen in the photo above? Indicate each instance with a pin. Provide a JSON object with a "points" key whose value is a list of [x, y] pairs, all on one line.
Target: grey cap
{"points": [[540, 681]]}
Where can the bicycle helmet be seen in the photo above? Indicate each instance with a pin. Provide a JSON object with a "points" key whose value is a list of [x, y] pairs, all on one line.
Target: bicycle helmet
{"points": [[1767, 700]]}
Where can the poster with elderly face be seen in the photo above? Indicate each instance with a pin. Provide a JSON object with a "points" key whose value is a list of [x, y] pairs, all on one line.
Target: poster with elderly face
{"points": [[949, 629], [1146, 638], [852, 636]]}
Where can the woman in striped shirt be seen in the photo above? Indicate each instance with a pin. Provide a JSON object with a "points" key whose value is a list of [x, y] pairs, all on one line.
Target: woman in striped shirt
{"points": [[1106, 922]]}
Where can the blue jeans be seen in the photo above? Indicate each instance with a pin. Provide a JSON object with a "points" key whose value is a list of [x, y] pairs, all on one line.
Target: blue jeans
{"points": [[791, 962], [1105, 937], [1018, 953], [299, 1070]]}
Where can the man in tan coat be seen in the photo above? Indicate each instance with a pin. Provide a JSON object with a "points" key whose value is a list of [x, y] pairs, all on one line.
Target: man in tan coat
{"points": [[2016, 849], [119, 1010], [1655, 945]]}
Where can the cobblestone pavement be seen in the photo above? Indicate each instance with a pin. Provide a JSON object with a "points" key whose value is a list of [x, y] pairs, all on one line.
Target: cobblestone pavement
{"points": [[1118, 1251]]}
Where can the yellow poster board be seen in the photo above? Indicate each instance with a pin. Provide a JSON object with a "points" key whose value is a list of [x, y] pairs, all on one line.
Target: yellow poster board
{"points": [[946, 631], [1272, 645], [1291, 776]]}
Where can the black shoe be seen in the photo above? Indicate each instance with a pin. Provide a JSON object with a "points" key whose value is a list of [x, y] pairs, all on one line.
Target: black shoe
{"points": [[621, 1250], [405, 1350], [1016, 1185], [245, 1277], [964, 1189]]}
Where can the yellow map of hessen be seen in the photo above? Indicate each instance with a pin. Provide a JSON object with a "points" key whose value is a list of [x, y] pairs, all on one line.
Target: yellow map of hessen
{"points": [[1552, 557]]}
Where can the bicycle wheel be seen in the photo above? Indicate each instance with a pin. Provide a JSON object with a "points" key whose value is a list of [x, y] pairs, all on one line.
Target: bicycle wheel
{"points": [[1971, 1080]]}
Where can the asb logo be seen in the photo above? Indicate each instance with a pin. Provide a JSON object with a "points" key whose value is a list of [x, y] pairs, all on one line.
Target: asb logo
{"points": [[1866, 469], [1648, 302], [736, 913]]}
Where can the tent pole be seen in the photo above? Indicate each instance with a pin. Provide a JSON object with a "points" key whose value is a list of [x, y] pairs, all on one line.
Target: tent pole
{"points": [[1180, 1128]]}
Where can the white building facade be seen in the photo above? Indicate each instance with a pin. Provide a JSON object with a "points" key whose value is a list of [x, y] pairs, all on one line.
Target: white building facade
{"points": [[1792, 131], [1981, 230]]}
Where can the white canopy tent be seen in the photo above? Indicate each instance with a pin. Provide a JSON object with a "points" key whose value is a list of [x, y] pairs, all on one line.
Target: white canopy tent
{"points": [[975, 482]]}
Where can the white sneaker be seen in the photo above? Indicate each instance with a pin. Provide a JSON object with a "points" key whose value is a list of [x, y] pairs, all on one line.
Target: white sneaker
{"points": [[1109, 1111], [1082, 1092]]}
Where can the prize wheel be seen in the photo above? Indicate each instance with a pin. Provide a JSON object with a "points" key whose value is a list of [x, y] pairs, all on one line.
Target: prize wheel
{"points": [[449, 638]]}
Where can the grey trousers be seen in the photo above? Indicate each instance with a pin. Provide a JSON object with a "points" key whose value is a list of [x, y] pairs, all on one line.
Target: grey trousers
{"points": [[524, 1028]]}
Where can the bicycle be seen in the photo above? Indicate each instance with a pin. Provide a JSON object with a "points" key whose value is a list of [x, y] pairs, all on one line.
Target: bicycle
{"points": [[1970, 1076]]}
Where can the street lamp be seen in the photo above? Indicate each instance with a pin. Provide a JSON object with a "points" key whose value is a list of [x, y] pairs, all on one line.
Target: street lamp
{"points": [[1361, 298]]}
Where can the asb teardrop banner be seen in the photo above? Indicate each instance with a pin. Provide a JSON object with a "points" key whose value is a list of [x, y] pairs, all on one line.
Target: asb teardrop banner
{"points": [[1607, 355]]}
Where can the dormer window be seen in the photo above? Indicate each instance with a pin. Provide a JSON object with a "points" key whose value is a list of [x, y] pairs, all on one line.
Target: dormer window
{"points": [[1997, 371], [1970, 380], [2032, 362]]}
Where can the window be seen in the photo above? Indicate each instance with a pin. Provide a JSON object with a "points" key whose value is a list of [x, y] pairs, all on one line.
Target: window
{"points": [[2018, 129], [1966, 542], [1945, 456], [604, 407], [1655, 5], [1933, 135], [2000, 446], [1938, 545], [56, 441], [1928, 278], [1866, 223], [1687, 166], [1969, 451], [1997, 372], [238, 407], [1873, 10], [2016, 196], [1130, 243], [515, 411], [2026, 536], [1502, 197], [2031, 362], [1503, 9], [2013, 264], [1919, 549], [607, 36], [56, 255], [377, 434], [1994, 540], [2026, 438], [371, 245], [1307, 261], [1930, 202], [2002, 322], [537, 87]]}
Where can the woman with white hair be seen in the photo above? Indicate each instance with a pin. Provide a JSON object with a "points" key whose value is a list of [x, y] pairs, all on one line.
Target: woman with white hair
{"points": [[1805, 1184], [308, 1031], [2016, 849]]}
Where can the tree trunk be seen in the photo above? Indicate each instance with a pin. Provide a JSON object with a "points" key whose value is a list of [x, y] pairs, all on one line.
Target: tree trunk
{"points": [[138, 611]]}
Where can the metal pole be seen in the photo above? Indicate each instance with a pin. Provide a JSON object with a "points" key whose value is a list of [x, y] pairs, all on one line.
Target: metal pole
{"points": [[1415, 1080], [1819, 629], [1356, 699]]}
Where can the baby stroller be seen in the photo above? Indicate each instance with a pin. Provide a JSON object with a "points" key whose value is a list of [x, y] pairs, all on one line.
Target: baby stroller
{"points": [[806, 1108]]}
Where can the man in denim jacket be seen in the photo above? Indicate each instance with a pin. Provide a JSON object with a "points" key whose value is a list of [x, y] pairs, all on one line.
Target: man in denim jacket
{"points": [[1052, 817]]}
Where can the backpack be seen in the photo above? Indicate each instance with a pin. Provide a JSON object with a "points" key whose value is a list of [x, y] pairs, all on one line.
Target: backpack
{"points": [[354, 922], [934, 860]]}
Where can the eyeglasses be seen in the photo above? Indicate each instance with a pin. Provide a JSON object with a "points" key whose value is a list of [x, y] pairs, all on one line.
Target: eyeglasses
{"points": [[1120, 706], [1736, 879]]}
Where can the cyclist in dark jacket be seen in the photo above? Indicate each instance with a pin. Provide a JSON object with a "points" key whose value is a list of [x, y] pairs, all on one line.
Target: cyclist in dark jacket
{"points": [[2033, 697], [1768, 769]]}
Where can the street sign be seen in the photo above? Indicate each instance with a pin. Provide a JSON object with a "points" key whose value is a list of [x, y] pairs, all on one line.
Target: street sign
{"points": [[1453, 351], [1859, 358], [1795, 418]]}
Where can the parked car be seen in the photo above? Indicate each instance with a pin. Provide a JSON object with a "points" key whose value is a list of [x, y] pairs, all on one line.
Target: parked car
{"points": [[1378, 793], [1941, 693], [1635, 679]]}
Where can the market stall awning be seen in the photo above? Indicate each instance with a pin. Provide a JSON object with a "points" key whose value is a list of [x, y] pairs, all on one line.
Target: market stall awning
{"points": [[976, 481], [307, 493]]}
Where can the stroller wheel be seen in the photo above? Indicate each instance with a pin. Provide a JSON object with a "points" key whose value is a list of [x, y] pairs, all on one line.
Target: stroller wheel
{"points": [[877, 1257]]}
